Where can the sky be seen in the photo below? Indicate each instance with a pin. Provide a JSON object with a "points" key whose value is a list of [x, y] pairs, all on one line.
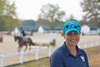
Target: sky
{"points": [[30, 9]]}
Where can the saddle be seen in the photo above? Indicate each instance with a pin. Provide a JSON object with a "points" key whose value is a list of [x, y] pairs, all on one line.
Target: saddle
{"points": [[25, 39]]}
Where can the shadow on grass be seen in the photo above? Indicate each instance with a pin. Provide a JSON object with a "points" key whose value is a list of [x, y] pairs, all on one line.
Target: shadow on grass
{"points": [[44, 62]]}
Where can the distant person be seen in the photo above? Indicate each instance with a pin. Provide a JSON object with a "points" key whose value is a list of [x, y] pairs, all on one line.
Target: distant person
{"points": [[22, 31], [69, 54], [23, 34]]}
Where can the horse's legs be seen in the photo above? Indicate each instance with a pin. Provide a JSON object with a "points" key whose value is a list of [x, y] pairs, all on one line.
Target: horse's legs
{"points": [[30, 47], [19, 48], [25, 48], [30, 43]]}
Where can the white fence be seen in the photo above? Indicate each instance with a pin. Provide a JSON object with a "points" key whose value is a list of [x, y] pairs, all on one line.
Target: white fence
{"points": [[37, 51], [21, 55], [88, 44]]}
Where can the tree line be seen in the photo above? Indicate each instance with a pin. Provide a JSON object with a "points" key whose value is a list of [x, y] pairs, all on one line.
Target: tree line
{"points": [[92, 12], [50, 14], [8, 18]]}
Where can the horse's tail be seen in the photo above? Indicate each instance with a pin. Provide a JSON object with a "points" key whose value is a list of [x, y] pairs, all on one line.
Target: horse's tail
{"points": [[31, 42]]}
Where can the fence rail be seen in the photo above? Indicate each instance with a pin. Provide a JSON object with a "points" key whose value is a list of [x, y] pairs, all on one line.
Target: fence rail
{"points": [[88, 44], [22, 54], [37, 50]]}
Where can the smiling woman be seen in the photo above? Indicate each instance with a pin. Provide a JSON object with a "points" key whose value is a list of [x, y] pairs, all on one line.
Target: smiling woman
{"points": [[69, 53]]}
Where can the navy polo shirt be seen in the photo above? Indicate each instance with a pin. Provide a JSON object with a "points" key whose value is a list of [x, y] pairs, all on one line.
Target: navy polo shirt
{"points": [[63, 58]]}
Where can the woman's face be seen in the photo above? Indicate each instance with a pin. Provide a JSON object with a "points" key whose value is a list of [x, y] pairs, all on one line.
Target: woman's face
{"points": [[72, 38]]}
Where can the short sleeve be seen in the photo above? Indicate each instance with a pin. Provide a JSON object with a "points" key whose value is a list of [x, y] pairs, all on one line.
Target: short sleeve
{"points": [[56, 60]]}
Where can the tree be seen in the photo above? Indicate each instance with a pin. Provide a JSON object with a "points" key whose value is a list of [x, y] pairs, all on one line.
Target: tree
{"points": [[8, 18], [92, 10], [7, 8], [98, 0], [52, 14]]}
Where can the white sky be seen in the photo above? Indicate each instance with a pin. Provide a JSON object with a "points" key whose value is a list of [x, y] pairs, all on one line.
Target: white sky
{"points": [[30, 9]]}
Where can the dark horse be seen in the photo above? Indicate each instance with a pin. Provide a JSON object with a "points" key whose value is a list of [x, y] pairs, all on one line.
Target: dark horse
{"points": [[22, 43]]}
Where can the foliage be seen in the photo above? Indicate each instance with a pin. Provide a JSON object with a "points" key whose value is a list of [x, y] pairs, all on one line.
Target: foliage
{"points": [[98, 0], [53, 43], [1, 37], [72, 19], [51, 14], [10, 22], [7, 8], [56, 24], [8, 18], [92, 10]]}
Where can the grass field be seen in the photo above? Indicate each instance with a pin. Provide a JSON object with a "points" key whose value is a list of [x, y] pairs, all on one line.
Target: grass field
{"points": [[93, 55]]}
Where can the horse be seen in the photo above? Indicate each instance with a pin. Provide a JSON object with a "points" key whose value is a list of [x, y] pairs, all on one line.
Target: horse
{"points": [[22, 43]]}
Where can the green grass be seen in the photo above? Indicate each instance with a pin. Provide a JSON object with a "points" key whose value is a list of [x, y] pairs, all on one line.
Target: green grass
{"points": [[36, 63]]}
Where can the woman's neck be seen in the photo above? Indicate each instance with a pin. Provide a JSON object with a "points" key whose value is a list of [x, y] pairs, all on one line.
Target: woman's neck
{"points": [[72, 50]]}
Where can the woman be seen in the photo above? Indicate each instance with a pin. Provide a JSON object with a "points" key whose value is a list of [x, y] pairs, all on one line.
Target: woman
{"points": [[69, 54]]}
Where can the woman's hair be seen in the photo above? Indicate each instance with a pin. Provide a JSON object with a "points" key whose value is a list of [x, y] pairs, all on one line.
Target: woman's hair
{"points": [[72, 20]]}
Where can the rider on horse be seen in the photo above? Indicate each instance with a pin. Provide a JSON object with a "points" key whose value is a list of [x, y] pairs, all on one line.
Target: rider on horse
{"points": [[23, 34]]}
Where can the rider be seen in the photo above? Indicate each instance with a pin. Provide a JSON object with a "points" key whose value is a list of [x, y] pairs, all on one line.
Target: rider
{"points": [[23, 34]]}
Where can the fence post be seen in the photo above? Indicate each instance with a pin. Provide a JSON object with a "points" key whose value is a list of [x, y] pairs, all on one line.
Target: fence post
{"points": [[97, 42], [49, 51], [2, 60], [37, 54], [21, 57], [85, 45]]}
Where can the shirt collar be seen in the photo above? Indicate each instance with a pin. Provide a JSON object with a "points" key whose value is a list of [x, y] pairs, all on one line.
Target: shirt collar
{"points": [[68, 52]]}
